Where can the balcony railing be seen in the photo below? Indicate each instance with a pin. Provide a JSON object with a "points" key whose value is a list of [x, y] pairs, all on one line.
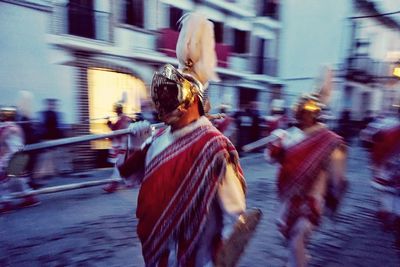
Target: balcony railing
{"points": [[81, 21], [365, 69], [168, 38], [167, 44]]}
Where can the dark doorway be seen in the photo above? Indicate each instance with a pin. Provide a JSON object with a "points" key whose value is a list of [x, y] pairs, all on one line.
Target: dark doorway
{"points": [[246, 97]]}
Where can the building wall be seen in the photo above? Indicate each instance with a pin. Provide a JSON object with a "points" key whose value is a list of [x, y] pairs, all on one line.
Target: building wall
{"points": [[41, 56], [313, 35], [381, 47], [28, 63]]}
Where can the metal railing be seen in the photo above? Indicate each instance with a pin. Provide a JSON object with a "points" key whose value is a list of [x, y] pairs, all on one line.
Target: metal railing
{"points": [[18, 162], [366, 66]]}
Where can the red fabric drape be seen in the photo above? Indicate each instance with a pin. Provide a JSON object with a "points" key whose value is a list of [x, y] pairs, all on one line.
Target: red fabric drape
{"points": [[177, 190]]}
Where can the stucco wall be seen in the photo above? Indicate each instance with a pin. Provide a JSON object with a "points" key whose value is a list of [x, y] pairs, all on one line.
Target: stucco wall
{"points": [[29, 63]]}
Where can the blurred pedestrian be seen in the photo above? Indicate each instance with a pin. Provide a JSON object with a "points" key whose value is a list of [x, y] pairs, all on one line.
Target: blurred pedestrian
{"points": [[25, 121], [224, 122], [119, 143], [147, 112], [256, 120], [278, 118], [50, 160], [51, 120], [12, 137], [346, 126], [248, 125], [385, 155], [11, 140], [192, 189], [311, 176]]}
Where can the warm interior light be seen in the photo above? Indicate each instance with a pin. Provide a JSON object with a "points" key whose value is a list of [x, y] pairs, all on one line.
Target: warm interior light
{"points": [[396, 72], [106, 87]]}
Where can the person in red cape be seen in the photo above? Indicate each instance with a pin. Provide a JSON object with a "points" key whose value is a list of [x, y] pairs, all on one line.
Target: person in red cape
{"points": [[222, 121], [384, 136], [192, 189], [311, 176], [119, 143]]}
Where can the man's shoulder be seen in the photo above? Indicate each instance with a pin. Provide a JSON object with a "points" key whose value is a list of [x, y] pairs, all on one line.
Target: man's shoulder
{"points": [[206, 131]]}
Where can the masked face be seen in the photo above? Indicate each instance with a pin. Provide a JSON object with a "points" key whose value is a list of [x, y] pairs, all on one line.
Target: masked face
{"points": [[171, 92], [166, 96], [172, 117]]}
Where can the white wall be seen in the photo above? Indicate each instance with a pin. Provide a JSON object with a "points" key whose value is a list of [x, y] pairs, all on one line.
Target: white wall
{"points": [[384, 46], [313, 34], [26, 61], [382, 39]]}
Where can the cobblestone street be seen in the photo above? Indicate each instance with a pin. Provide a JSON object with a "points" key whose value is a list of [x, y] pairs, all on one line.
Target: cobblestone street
{"points": [[88, 228], [352, 238]]}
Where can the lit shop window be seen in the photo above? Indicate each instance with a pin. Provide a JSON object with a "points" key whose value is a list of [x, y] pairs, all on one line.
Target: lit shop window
{"points": [[107, 87]]}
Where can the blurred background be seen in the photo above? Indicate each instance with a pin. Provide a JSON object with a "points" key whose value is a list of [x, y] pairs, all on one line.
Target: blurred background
{"points": [[89, 54], [79, 67]]}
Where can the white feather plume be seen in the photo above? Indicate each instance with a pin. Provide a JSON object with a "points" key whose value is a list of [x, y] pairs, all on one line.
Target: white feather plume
{"points": [[196, 44], [325, 85]]}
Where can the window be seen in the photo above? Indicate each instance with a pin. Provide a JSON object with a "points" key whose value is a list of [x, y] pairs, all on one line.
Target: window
{"points": [[219, 32], [174, 15], [270, 8], [81, 18], [240, 44], [260, 49], [134, 10]]}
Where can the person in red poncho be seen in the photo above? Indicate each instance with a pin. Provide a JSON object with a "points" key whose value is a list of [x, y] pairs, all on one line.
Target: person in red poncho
{"points": [[311, 176], [383, 136], [192, 189]]}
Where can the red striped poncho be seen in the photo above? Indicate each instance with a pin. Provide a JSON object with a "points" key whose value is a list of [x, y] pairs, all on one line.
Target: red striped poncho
{"points": [[301, 165], [303, 161], [177, 190]]}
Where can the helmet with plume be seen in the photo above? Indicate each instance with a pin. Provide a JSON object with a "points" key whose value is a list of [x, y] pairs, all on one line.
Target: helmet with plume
{"points": [[315, 102], [195, 50]]}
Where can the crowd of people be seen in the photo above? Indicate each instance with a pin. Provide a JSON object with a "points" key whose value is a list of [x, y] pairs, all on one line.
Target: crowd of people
{"points": [[192, 190], [18, 128]]}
